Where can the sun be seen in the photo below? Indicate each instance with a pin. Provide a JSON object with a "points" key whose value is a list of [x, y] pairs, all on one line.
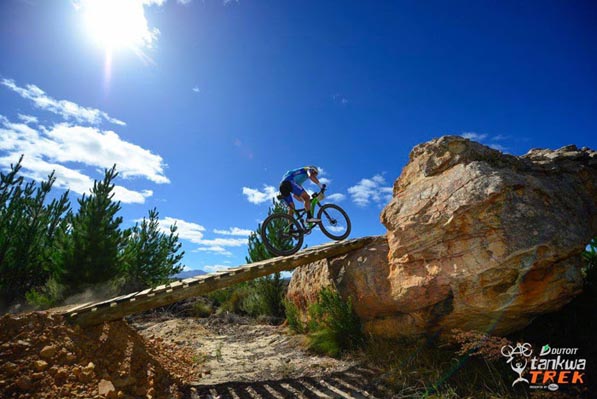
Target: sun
{"points": [[117, 24]]}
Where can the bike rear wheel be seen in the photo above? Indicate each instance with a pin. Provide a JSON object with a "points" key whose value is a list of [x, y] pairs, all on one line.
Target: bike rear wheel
{"points": [[282, 235], [334, 222]]}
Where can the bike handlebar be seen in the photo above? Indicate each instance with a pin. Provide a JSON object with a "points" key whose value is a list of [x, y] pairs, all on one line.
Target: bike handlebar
{"points": [[322, 191]]}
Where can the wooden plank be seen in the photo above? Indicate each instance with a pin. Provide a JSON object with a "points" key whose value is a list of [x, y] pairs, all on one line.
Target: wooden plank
{"points": [[72, 310], [167, 294], [144, 292]]}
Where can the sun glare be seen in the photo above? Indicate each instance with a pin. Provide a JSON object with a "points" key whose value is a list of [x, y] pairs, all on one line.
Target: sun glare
{"points": [[117, 24]]}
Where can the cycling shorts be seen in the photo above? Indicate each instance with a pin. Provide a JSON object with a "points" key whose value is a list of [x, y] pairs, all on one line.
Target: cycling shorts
{"points": [[288, 187]]}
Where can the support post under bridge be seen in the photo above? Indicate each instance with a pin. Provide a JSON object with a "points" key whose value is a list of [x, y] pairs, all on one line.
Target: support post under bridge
{"points": [[136, 302]]}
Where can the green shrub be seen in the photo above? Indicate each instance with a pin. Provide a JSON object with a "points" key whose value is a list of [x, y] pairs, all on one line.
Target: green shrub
{"points": [[202, 309], [51, 294], [261, 297], [293, 317], [233, 299], [333, 325]]}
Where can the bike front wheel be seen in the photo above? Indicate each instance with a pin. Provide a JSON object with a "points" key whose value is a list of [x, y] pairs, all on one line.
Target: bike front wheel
{"points": [[281, 234], [334, 222]]}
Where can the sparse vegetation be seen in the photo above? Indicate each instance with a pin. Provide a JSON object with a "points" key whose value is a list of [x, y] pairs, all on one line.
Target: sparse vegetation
{"points": [[420, 368], [262, 297], [332, 325], [293, 317], [202, 309]]}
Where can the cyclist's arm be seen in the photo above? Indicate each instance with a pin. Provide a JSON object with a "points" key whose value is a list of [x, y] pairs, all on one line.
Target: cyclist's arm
{"points": [[314, 179]]}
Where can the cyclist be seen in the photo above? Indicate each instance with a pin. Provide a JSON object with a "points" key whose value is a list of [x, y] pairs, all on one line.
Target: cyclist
{"points": [[292, 183]]}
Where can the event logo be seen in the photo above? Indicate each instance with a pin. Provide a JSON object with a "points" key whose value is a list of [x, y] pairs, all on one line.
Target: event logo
{"points": [[520, 353], [552, 368]]}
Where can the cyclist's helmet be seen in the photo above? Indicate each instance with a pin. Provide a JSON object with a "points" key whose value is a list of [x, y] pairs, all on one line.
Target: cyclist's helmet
{"points": [[314, 168]]}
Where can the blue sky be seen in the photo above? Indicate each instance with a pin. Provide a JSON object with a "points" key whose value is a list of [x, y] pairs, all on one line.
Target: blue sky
{"points": [[203, 105]]}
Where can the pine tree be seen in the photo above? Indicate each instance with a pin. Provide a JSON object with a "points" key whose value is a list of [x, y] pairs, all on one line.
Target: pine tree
{"points": [[93, 249], [29, 227], [151, 256], [270, 289]]}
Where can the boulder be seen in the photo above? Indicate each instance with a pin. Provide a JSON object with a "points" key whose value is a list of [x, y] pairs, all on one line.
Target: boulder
{"points": [[356, 274], [476, 240]]}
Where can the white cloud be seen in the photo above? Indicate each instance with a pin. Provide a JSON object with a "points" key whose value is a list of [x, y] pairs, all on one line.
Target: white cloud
{"points": [[52, 148], [67, 109], [192, 232], [66, 178], [234, 231], [48, 148], [219, 245], [336, 197], [214, 268], [28, 119], [224, 242], [196, 89], [214, 249], [94, 147], [127, 196], [336, 229], [339, 99], [487, 139], [371, 190], [474, 136], [257, 197], [498, 147]]}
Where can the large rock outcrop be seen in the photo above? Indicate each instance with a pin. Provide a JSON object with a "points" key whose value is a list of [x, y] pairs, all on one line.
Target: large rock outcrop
{"points": [[476, 240]]}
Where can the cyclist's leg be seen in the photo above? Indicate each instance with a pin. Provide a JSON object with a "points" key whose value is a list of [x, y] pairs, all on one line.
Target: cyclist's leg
{"points": [[307, 201], [290, 204], [301, 195]]}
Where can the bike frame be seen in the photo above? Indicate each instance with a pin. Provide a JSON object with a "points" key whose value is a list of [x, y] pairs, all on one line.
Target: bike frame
{"points": [[299, 213]]}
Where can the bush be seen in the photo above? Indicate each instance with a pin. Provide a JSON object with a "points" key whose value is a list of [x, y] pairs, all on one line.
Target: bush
{"points": [[51, 294], [293, 317], [333, 325], [257, 298], [202, 309]]}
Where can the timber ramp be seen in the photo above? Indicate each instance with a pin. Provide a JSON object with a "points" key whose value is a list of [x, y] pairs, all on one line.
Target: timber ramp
{"points": [[116, 308]]}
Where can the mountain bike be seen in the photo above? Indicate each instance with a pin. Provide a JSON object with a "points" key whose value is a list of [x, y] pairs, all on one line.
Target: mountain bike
{"points": [[283, 234]]}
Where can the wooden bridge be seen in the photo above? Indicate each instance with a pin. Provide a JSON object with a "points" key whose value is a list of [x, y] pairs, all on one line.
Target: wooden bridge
{"points": [[116, 308]]}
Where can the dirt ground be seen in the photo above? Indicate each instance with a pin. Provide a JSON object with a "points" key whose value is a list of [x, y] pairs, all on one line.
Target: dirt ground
{"points": [[149, 356], [232, 348]]}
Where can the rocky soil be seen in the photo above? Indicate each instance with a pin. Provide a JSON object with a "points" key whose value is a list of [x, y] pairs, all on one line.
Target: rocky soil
{"points": [[151, 356]]}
